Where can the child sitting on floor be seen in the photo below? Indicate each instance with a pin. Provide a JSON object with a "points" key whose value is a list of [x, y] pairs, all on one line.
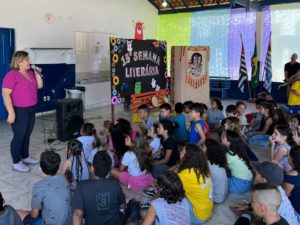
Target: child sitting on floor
{"points": [[238, 163], [102, 145], [197, 184], [146, 120], [75, 167], [165, 112], [295, 126], [8, 215], [216, 155], [135, 166], [154, 146], [180, 134], [88, 136], [51, 197], [241, 109], [119, 130], [294, 99], [291, 183], [261, 137], [169, 154], [231, 110], [256, 117], [281, 142], [100, 199], [187, 109], [266, 201], [206, 125], [171, 199], [196, 131], [215, 113]]}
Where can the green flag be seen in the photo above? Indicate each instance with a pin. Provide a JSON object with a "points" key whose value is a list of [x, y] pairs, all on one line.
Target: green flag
{"points": [[255, 70]]}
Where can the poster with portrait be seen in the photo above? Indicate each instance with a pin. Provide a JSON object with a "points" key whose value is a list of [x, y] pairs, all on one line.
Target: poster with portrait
{"points": [[190, 73], [138, 70]]}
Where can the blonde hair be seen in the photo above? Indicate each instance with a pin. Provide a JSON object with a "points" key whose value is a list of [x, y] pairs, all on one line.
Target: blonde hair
{"points": [[18, 57]]}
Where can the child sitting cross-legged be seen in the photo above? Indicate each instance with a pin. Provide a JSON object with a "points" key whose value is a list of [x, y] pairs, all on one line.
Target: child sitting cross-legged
{"points": [[8, 215], [238, 163], [135, 169], [102, 145], [51, 197], [146, 120], [171, 207], [281, 142], [215, 113], [100, 199], [216, 155], [154, 147], [266, 201], [75, 167], [197, 184]]}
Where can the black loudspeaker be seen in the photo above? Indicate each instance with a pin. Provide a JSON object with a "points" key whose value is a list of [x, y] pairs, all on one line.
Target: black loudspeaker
{"points": [[69, 118]]}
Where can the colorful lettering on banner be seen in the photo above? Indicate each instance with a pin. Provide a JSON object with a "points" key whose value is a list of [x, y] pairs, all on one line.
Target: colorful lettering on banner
{"points": [[137, 67]]}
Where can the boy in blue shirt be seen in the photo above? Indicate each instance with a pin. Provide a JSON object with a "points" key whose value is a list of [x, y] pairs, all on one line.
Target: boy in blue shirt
{"points": [[180, 133], [196, 131], [147, 120]]}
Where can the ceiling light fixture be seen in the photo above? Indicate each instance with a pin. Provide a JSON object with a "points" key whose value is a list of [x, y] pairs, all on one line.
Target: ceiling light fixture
{"points": [[164, 4]]}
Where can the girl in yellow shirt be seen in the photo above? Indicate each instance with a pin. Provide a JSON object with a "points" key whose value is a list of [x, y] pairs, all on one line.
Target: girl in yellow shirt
{"points": [[195, 176]]}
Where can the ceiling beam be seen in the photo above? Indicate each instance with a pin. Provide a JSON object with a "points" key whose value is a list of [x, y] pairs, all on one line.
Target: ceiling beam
{"points": [[194, 9], [153, 4], [247, 4], [170, 4], [200, 2], [183, 2]]}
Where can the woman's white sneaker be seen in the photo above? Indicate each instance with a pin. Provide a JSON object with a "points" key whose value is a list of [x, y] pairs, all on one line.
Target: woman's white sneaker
{"points": [[20, 167], [30, 161]]}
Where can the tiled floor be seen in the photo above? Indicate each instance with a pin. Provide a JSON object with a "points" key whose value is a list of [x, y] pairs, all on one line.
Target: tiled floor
{"points": [[16, 187]]}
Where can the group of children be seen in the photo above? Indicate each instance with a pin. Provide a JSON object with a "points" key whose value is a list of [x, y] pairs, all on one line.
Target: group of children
{"points": [[180, 168]]}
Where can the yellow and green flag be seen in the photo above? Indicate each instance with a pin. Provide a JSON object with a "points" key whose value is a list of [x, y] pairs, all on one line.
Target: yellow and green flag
{"points": [[255, 70]]}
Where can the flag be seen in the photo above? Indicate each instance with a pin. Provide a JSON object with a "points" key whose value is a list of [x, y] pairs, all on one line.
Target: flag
{"points": [[268, 70], [243, 71], [255, 70]]}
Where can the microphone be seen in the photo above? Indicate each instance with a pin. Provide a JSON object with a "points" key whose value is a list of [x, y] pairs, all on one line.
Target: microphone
{"points": [[35, 70]]}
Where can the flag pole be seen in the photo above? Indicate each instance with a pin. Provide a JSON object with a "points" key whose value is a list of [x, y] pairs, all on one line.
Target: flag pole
{"points": [[249, 86]]}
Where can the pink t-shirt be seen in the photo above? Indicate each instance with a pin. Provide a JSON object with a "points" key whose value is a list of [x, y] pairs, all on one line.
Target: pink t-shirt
{"points": [[24, 91]]}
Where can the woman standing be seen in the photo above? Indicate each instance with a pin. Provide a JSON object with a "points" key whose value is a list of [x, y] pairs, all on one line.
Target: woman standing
{"points": [[19, 91]]}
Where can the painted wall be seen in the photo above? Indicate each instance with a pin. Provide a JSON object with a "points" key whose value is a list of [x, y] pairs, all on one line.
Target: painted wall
{"points": [[28, 18], [113, 16]]}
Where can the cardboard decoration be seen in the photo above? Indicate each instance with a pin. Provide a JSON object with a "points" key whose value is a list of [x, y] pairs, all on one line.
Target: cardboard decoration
{"points": [[190, 74], [139, 28], [138, 71]]}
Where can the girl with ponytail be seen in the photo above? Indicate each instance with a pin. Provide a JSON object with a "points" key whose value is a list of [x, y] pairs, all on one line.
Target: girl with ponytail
{"points": [[75, 167], [88, 138]]}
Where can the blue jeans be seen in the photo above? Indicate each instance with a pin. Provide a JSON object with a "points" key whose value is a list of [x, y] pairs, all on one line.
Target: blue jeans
{"points": [[260, 139], [239, 186], [194, 219], [28, 220], [22, 129]]}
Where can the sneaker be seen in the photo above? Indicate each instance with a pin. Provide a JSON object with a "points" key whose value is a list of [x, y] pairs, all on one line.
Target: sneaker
{"points": [[20, 167], [30, 161], [150, 192], [145, 203]]}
